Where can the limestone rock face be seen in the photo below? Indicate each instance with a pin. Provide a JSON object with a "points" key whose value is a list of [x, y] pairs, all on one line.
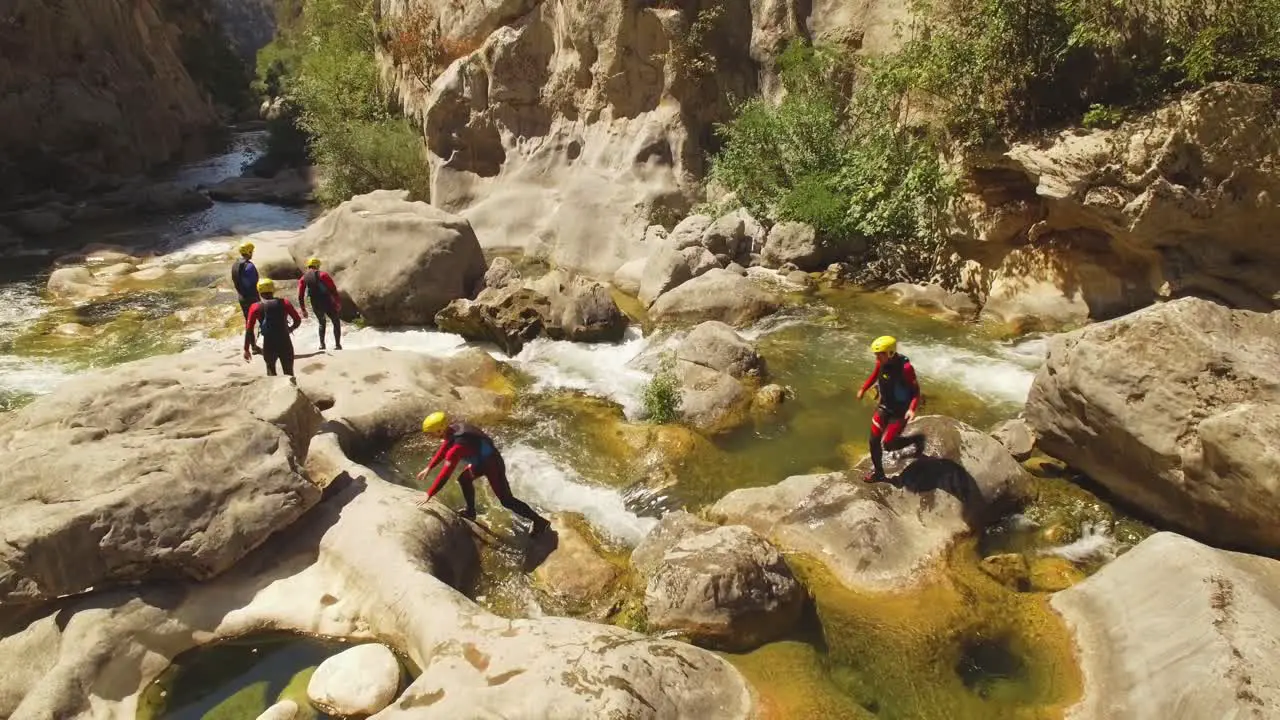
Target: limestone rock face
{"points": [[1175, 630], [173, 467], [1175, 409], [569, 128], [400, 262], [106, 70], [1099, 223]]}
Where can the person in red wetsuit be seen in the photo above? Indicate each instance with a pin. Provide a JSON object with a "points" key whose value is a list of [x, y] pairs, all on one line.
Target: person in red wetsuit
{"points": [[464, 443], [325, 301], [272, 314], [895, 382]]}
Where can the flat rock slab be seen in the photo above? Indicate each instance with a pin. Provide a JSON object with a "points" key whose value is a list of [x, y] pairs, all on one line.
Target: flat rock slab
{"points": [[171, 467]]}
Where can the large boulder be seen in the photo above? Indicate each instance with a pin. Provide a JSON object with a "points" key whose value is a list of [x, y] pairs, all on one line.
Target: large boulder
{"points": [[169, 467], [555, 306], [1175, 630], [365, 564], [724, 588], [400, 262], [716, 295], [1176, 409], [670, 266], [717, 372], [793, 243], [879, 535]]}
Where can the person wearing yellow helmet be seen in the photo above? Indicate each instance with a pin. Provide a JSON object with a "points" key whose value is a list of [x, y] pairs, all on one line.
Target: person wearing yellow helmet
{"points": [[899, 391], [244, 278], [464, 443], [325, 301], [270, 316]]}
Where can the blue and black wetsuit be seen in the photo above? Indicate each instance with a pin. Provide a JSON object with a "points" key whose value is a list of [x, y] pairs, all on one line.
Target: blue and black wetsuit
{"points": [[244, 278]]}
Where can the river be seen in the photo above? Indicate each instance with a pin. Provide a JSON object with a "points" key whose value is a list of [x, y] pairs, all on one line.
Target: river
{"points": [[818, 350]]}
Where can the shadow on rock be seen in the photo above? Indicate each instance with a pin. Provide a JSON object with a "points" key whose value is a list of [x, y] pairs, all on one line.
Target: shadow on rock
{"points": [[540, 548]]}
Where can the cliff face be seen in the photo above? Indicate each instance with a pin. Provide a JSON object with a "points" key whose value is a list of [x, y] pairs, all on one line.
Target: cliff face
{"points": [[93, 88], [566, 128], [248, 24]]}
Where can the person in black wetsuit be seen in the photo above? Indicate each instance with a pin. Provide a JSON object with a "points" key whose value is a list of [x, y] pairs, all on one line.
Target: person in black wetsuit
{"points": [[467, 444], [244, 278], [895, 381], [273, 315], [325, 301]]}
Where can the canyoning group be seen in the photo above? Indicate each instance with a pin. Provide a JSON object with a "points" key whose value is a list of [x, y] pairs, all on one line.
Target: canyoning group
{"points": [[467, 446], [275, 318]]}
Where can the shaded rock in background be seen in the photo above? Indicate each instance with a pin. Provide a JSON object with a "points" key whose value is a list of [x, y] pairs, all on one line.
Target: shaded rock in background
{"points": [[1175, 630], [288, 187], [1175, 409], [935, 299], [581, 310], [400, 262], [508, 317], [501, 273]]}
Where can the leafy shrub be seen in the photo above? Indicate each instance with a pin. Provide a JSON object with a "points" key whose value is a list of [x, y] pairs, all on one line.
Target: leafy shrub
{"points": [[662, 395], [326, 70]]}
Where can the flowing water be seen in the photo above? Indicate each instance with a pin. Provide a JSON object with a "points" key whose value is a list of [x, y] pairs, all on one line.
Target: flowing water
{"points": [[575, 442]]}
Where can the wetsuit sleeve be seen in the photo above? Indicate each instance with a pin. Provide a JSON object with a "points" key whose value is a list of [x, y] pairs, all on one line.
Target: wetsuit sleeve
{"points": [[451, 459], [435, 459], [871, 379], [333, 290], [254, 311], [293, 313], [302, 291], [909, 378]]}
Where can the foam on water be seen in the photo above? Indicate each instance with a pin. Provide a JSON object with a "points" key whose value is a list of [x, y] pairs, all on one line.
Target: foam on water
{"points": [[536, 476], [989, 377], [601, 369], [29, 375], [1095, 542]]}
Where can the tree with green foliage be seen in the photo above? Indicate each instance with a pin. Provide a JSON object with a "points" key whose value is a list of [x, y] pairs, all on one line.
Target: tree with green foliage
{"points": [[326, 71]]}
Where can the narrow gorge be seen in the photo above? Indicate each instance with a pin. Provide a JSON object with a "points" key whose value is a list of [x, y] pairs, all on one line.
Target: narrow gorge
{"points": [[646, 246]]}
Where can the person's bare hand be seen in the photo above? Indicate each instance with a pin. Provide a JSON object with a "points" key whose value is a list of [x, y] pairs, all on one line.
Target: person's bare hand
{"points": [[423, 502], [911, 415], [247, 358]]}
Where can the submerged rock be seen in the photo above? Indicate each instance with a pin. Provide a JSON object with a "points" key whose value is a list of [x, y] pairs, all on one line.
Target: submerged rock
{"points": [[1017, 437], [359, 681], [283, 710], [400, 262], [575, 571], [879, 535], [1175, 409], [1175, 630]]}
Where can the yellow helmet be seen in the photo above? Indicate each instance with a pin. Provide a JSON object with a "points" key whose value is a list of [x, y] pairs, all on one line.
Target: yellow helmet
{"points": [[884, 343], [313, 262], [434, 422], [266, 285], [246, 248]]}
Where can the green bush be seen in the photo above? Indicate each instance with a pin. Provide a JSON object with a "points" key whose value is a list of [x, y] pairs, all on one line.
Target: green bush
{"points": [[662, 396], [842, 158], [326, 70]]}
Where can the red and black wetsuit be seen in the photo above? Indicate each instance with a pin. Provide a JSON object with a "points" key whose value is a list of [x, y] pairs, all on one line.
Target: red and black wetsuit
{"points": [[325, 302], [895, 379], [466, 443], [271, 314]]}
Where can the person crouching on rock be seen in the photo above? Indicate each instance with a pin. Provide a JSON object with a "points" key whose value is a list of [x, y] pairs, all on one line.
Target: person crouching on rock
{"points": [[464, 443], [271, 314], [895, 381], [325, 301]]}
